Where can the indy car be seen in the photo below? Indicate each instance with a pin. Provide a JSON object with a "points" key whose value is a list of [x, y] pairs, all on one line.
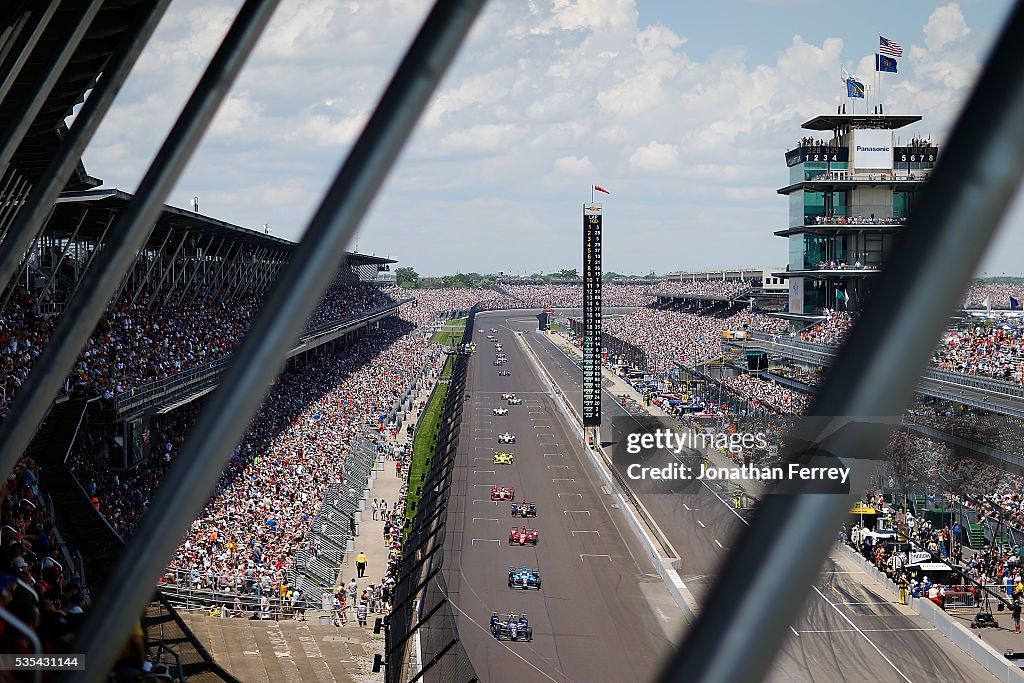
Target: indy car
{"points": [[498, 361], [501, 411], [523, 536], [493, 330], [506, 396], [523, 577], [515, 401], [511, 627], [504, 458], [503, 373], [524, 510], [480, 331], [507, 437], [502, 493]]}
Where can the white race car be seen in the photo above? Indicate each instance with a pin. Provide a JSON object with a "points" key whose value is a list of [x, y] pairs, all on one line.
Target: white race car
{"points": [[515, 401], [480, 331], [493, 330], [506, 396], [501, 411], [507, 437]]}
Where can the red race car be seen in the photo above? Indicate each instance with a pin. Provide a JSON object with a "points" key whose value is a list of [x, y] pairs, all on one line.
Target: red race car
{"points": [[502, 493], [523, 536]]}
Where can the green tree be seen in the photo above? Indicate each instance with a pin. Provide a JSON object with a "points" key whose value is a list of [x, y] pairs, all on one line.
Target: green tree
{"points": [[406, 277]]}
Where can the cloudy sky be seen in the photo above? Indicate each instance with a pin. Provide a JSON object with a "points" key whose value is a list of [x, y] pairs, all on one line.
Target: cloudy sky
{"points": [[682, 109]]}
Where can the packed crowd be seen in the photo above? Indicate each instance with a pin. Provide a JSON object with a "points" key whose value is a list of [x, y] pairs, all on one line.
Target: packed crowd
{"points": [[671, 337], [997, 295], [571, 296], [133, 345], [254, 525], [435, 305], [830, 332], [722, 288], [34, 585], [858, 220], [796, 373], [992, 351], [760, 392]]}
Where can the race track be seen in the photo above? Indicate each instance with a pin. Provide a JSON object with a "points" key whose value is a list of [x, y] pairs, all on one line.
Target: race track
{"points": [[603, 613]]}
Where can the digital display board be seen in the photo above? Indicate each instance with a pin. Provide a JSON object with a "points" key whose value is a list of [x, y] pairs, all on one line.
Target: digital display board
{"points": [[817, 153], [591, 315]]}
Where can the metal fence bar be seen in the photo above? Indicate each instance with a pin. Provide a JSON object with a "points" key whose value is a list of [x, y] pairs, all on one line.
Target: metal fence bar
{"points": [[11, 73], [41, 90], [739, 632], [33, 216], [80, 316], [191, 478]]}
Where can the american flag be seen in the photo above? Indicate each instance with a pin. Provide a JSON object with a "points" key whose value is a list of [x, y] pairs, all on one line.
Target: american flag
{"points": [[889, 47]]}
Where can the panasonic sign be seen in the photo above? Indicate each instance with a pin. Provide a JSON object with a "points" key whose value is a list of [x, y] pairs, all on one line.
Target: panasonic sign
{"points": [[872, 149]]}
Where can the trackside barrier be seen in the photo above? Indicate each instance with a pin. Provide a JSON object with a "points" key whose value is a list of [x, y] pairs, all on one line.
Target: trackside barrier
{"points": [[421, 641], [969, 642]]}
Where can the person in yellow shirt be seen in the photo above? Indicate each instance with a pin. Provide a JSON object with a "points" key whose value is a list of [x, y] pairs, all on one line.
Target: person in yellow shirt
{"points": [[360, 564]]}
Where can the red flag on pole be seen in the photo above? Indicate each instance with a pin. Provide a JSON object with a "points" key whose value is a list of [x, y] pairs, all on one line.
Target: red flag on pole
{"points": [[601, 189]]}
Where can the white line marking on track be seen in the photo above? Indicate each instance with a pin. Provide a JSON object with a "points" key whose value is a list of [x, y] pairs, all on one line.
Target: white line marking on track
{"points": [[582, 555], [585, 531], [571, 494], [572, 480], [485, 519], [866, 630], [575, 511], [684, 504], [719, 544], [795, 632], [701, 524], [484, 471], [485, 540], [481, 500]]}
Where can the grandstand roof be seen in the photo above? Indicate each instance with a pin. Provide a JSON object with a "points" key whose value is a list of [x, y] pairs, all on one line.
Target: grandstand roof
{"points": [[101, 39], [112, 201], [833, 121]]}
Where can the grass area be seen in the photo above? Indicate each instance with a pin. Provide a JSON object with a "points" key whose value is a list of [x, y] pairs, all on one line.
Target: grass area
{"points": [[451, 333], [426, 438]]}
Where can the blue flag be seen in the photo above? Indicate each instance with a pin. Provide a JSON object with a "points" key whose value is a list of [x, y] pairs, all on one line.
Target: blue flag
{"points": [[883, 63], [854, 88], [1014, 304]]}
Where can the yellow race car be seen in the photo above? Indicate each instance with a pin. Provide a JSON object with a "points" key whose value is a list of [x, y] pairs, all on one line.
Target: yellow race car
{"points": [[504, 458]]}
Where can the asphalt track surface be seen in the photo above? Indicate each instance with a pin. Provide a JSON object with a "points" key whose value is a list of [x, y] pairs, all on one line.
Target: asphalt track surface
{"points": [[603, 613], [847, 632]]}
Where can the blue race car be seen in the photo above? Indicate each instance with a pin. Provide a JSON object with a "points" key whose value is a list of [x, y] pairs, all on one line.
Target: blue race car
{"points": [[524, 578], [512, 627]]}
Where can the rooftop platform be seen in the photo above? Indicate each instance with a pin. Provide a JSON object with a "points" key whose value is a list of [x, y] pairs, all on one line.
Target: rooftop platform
{"points": [[834, 121]]}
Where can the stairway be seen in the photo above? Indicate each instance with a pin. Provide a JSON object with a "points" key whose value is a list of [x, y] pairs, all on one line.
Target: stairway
{"points": [[976, 535], [78, 522]]}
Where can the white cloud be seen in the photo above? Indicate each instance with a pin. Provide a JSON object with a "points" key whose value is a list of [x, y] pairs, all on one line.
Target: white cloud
{"points": [[545, 97], [946, 25], [655, 156], [575, 166]]}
